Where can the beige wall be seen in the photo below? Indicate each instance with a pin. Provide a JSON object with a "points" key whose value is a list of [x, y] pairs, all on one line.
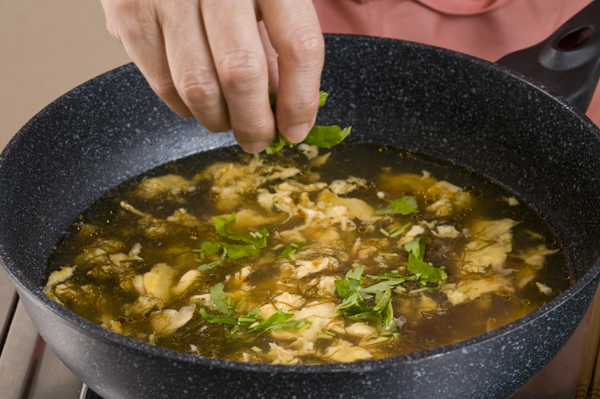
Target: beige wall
{"points": [[47, 47]]}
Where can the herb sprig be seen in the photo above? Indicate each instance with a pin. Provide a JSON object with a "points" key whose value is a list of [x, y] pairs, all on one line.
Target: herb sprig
{"points": [[426, 273], [354, 307], [253, 242], [321, 136], [402, 206], [249, 326], [292, 249]]}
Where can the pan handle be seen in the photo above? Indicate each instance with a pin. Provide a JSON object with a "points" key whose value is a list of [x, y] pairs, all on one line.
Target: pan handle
{"points": [[568, 62]]}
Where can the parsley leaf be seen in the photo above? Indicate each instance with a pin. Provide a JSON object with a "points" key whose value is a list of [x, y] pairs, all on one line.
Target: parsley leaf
{"points": [[367, 292], [353, 304], [426, 273], [388, 324], [253, 242], [219, 298], [326, 136], [322, 98], [403, 206], [278, 143], [212, 265], [352, 282], [249, 323], [321, 136], [246, 327], [224, 227], [389, 276], [296, 246], [416, 247]]}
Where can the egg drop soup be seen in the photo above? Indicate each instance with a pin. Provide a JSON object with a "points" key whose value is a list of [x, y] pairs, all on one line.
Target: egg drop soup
{"points": [[306, 256]]}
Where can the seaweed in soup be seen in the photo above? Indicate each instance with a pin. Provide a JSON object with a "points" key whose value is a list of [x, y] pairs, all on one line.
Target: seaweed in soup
{"points": [[306, 257]]}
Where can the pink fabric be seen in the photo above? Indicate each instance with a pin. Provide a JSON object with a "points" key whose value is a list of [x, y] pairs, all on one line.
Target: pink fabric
{"points": [[487, 29]]}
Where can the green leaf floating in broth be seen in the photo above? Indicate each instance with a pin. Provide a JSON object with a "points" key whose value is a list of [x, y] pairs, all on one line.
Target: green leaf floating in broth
{"points": [[219, 298], [426, 273], [254, 241], [354, 307], [224, 227], [367, 292], [402, 206], [381, 315], [321, 136], [292, 249], [416, 247], [352, 282], [248, 326]]}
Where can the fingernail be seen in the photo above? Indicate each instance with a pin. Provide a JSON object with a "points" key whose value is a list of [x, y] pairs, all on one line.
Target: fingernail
{"points": [[296, 133], [254, 147]]}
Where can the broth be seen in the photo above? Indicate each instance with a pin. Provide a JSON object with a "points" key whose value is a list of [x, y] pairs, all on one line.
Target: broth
{"points": [[306, 256]]}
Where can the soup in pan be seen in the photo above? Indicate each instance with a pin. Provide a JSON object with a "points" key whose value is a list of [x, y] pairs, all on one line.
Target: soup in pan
{"points": [[306, 256]]}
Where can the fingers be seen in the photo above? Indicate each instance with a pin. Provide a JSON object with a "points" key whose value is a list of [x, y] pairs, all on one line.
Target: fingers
{"points": [[295, 33], [241, 66], [271, 55], [192, 66], [134, 24]]}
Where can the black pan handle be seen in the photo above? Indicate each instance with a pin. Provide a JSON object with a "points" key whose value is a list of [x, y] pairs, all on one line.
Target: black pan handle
{"points": [[568, 62]]}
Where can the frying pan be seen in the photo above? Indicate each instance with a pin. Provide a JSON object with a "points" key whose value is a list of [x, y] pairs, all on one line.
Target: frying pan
{"points": [[419, 98]]}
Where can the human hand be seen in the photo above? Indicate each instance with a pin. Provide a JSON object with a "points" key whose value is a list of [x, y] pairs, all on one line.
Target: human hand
{"points": [[213, 59]]}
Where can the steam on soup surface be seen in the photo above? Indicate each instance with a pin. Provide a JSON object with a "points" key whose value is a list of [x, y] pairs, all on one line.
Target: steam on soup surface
{"points": [[306, 256]]}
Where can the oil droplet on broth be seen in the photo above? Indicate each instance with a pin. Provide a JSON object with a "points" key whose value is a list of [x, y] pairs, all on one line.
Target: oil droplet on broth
{"points": [[475, 193], [509, 214]]}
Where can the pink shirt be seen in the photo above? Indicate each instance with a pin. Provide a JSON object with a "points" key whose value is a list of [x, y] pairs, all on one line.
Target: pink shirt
{"points": [[487, 29]]}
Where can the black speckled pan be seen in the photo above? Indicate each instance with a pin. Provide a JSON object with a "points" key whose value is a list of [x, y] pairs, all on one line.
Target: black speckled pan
{"points": [[406, 95]]}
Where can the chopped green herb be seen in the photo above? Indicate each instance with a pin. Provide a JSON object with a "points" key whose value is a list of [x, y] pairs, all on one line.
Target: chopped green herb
{"points": [[321, 136], [224, 227], [211, 265], [219, 298], [381, 286], [402, 229], [254, 241], [256, 349], [326, 136], [416, 247], [388, 255], [249, 326], [322, 98], [293, 248], [426, 273], [389, 276], [403, 206], [325, 335], [354, 307], [418, 290]]}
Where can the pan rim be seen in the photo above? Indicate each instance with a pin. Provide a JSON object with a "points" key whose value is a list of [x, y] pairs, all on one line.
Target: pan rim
{"points": [[25, 285]]}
